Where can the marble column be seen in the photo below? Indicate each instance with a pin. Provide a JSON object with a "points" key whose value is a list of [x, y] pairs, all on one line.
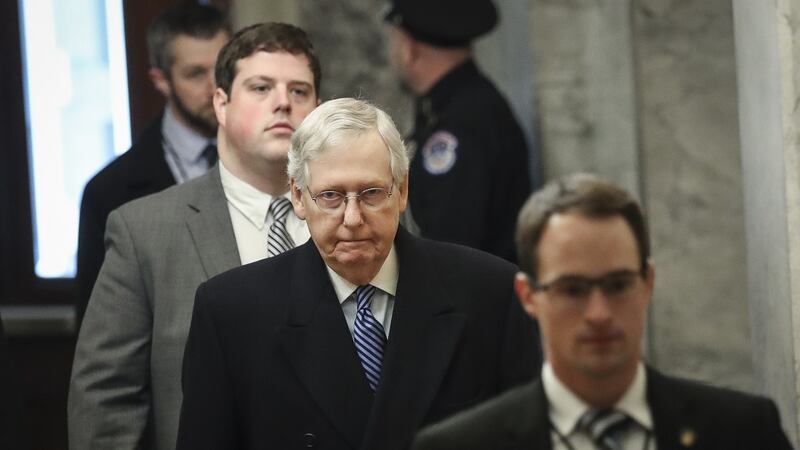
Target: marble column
{"points": [[768, 69], [691, 172]]}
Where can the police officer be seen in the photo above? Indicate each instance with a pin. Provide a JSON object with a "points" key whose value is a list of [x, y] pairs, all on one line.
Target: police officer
{"points": [[469, 176]]}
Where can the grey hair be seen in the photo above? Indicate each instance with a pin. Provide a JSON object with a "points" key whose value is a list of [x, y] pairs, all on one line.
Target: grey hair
{"points": [[338, 121]]}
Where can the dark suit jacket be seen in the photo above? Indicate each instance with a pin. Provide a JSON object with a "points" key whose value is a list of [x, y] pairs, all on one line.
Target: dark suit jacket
{"points": [[717, 418], [140, 171], [270, 362]]}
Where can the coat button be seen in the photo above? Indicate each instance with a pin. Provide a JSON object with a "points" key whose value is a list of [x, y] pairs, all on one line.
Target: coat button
{"points": [[311, 440]]}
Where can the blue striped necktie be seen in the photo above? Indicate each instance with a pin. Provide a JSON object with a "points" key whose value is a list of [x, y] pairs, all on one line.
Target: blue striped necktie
{"points": [[279, 240], [368, 336]]}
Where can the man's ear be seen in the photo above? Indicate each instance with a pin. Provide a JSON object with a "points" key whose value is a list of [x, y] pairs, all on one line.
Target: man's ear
{"points": [[220, 101], [403, 194], [297, 200], [525, 294], [160, 81]]}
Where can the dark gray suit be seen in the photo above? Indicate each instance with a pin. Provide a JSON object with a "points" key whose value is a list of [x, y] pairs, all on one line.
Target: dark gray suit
{"points": [[683, 411], [125, 388]]}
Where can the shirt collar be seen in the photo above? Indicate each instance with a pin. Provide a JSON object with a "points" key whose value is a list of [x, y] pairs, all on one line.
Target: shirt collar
{"points": [[385, 280], [187, 144], [252, 203], [566, 408]]}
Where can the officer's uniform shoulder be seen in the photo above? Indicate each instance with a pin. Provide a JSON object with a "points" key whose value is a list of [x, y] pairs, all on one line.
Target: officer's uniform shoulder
{"points": [[462, 259]]}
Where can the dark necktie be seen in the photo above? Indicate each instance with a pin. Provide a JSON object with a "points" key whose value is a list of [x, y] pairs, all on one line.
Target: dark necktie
{"points": [[604, 427], [279, 240], [210, 154], [368, 336]]}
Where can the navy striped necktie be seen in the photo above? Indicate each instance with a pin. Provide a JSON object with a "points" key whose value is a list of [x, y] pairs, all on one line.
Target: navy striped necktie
{"points": [[279, 240], [368, 336]]}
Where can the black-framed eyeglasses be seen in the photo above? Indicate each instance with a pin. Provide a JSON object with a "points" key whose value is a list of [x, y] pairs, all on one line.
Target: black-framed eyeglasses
{"points": [[576, 290], [372, 198]]}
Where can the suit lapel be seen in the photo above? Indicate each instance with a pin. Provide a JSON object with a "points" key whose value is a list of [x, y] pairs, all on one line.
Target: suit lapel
{"points": [[320, 349], [529, 428], [672, 419], [426, 327], [210, 226]]}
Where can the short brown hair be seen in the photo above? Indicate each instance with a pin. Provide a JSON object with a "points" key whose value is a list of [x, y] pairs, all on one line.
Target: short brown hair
{"points": [[266, 37], [187, 18], [580, 193]]}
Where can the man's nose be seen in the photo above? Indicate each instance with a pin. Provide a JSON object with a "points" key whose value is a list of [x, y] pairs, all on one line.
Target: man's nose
{"points": [[598, 308], [282, 99], [352, 212]]}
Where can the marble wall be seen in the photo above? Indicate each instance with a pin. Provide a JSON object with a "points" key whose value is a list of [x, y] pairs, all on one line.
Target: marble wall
{"points": [[584, 81]]}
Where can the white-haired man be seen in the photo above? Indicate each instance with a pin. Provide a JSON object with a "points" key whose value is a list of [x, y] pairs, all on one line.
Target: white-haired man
{"points": [[363, 334]]}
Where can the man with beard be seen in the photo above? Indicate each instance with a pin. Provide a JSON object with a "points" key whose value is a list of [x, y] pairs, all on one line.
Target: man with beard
{"points": [[183, 43], [125, 389]]}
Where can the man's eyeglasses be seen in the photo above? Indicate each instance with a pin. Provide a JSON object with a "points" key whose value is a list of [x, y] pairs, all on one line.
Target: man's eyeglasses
{"points": [[576, 290], [373, 199]]}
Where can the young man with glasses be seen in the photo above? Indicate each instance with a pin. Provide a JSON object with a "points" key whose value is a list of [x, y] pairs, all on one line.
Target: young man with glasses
{"points": [[587, 278], [362, 335]]}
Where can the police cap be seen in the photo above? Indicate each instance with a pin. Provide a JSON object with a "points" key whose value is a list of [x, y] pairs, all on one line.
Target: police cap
{"points": [[445, 23]]}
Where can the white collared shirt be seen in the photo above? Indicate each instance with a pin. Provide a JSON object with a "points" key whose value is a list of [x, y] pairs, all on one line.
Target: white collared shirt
{"points": [[249, 210], [382, 301], [566, 409], [183, 148]]}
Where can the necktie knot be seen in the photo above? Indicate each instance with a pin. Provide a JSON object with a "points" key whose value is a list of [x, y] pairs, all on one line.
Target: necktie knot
{"points": [[279, 208], [364, 296], [604, 426], [279, 240]]}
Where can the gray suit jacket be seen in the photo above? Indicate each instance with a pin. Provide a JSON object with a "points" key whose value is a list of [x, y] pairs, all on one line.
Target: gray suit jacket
{"points": [[125, 389]]}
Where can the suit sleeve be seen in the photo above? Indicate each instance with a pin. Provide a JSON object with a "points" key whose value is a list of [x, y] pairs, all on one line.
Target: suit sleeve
{"points": [[522, 351], [91, 249], [207, 414], [109, 395]]}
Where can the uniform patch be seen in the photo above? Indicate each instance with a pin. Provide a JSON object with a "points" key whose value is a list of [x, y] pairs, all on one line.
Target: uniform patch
{"points": [[439, 153]]}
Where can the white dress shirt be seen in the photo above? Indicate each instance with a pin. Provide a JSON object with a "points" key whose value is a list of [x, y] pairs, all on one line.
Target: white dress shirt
{"points": [[382, 300], [566, 409], [249, 210], [183, 148]]}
